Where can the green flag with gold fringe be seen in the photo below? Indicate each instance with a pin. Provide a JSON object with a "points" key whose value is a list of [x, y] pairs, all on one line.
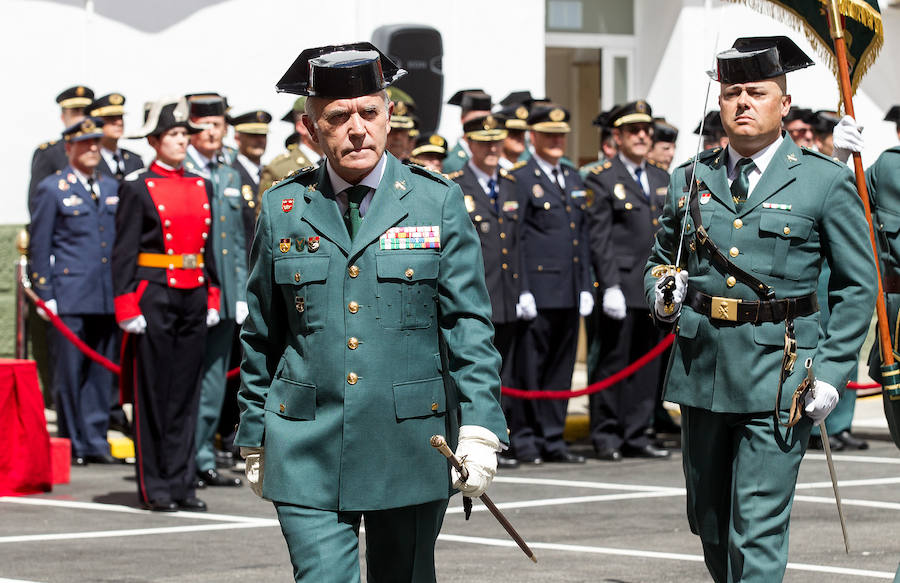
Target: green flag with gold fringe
{"points": [[862, 29]]}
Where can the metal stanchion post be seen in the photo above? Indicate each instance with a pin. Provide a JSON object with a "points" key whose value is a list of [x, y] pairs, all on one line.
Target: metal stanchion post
{"points": [[22, 282]]}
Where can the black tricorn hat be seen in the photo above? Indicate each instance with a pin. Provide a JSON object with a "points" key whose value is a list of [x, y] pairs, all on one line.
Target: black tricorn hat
{"points": [[823, 122], [663, 131], [757, 58], [893, 114], [799, 113], [475, 101], [456, 98], [292, 140], [166, 114], [518, 98], [340, 72], [206, 104], [712, 124]]}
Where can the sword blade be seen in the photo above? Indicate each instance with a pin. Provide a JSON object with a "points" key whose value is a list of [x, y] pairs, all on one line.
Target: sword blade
{"points": [[826, 444]]}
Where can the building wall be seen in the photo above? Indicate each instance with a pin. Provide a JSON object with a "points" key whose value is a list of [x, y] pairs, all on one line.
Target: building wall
{"points": [[239, 48]]}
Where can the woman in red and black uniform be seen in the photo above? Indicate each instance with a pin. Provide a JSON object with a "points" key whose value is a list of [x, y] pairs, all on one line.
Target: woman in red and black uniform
{"points": [[166, 295]]}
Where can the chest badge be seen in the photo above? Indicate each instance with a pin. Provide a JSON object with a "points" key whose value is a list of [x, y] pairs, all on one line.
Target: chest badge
{"points": [[470, 204], [791, 158], [247, 192], [73, 200], [510, 206], [619, 191], [63, 185], [284, 245], [287, 204], [704, 197], [71, 178], [537, 191], [400, 185], [312, 243], [681, 202], [301, 243], [485, 227]]}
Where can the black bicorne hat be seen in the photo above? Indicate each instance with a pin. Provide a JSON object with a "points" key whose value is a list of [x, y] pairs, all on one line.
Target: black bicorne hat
{"points": [[757, 58], [893, 114], [340, 72], [166, 114]]}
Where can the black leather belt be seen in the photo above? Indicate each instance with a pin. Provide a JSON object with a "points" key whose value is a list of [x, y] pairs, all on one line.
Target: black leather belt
{"points": [[891, 283], [735, 310]]}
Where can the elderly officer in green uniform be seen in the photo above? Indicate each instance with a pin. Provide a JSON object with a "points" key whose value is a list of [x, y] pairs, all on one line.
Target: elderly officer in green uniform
{"points": [[762, 217], [369, 332], [227, 231]]}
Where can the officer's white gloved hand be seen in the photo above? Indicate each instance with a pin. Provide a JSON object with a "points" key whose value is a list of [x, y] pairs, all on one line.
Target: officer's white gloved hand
{"points": [[212, 317], [847, 136], [477, 449], [585, 304], [526, 309], [255, 458], [825, 400], [681, 279], [51, 307], [614, 303], [240, 312], [136, 325]]}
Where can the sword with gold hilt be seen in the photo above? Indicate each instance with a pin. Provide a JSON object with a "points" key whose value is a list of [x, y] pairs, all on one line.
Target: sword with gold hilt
{"points": [[809, 385]]}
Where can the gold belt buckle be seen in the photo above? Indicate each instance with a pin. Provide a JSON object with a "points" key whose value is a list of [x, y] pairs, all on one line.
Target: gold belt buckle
{"points": [[189, 261], [724, 308]]}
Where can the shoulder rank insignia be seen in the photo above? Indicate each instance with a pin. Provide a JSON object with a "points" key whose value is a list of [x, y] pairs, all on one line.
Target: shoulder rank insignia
{"points": [[287, 204], [312, 187], [505, 174], [400, 185], [791, 158], [519, 164], [453, 175]]}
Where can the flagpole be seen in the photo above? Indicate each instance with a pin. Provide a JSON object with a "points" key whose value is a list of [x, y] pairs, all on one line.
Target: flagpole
{"points": [[884, 334]]}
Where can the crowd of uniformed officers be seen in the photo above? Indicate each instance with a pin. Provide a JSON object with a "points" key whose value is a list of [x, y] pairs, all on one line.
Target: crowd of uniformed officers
{"points": [[149, 265]]}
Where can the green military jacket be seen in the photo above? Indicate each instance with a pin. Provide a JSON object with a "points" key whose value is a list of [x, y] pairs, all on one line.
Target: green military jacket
{"points": [[883, 182], [228, 235], [804, 210], [357, 352], [280, 166]]}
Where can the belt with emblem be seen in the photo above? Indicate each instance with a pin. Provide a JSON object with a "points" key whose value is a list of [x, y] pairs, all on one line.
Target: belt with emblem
{"points": [[735, 310], [165, 261]]}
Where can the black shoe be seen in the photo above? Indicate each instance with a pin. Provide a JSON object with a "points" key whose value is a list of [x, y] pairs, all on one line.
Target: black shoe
{"points": [[646, 451], [123, 428], [192, 504], [565, 457], [815, 442], [224, 459], [163, 505], [77, 460], [103, 458], [507, 463], [610, 454], [533, 460], [849, 440], [214, 478]]}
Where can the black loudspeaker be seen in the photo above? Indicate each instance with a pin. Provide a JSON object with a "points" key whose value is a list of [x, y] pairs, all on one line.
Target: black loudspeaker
{"points": [[418, 49]]}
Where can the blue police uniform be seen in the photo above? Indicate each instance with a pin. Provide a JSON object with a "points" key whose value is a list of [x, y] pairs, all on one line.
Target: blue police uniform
{"points": [[77, 230]]}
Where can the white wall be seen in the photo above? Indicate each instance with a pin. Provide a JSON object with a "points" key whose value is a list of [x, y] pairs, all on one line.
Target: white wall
{"points": [[239, 48], [677, 87]]}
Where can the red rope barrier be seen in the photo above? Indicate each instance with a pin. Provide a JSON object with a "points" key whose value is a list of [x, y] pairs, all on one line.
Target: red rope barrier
{"points": [[65, 331], [600, 385]]}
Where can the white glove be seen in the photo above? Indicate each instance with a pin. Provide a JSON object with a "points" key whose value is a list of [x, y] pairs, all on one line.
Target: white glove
{"points": [[136, 325], [212, 317], [681, 279], [526, 309], [847, 137], [51, 307], [614, 303], [256, 465], [477, 449], [821, 401], [240, 312]]}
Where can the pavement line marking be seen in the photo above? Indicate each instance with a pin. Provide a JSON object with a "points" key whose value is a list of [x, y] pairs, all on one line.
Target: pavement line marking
{"points": [[855, 458], [583, 484], [573, 500], [136, 532], [851, 502], [651, 555], [850, 483], [16, 581], [72, 504]]}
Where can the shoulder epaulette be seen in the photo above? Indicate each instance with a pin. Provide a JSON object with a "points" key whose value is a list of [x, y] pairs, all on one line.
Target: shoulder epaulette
{"points": [[655, 163], [453, 175], [59, 171], [518, 165], [808, 152], [46, 145], [504, 173], [436, 176]]}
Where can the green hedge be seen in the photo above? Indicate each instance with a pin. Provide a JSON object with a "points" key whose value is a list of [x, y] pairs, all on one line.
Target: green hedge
{"points": [[8, 258]]}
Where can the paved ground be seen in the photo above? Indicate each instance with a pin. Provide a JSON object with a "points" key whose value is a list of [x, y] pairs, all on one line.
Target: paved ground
{"points": [[608, 522]]}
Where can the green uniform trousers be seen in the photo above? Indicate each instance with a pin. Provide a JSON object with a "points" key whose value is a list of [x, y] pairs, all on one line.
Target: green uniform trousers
{"points": [[324, 544], [740, 470], [219, 344]]}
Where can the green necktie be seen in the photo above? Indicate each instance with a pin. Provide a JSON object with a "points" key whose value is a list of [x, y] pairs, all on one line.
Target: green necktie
{"points": [[740, 188], [355, 196]]}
